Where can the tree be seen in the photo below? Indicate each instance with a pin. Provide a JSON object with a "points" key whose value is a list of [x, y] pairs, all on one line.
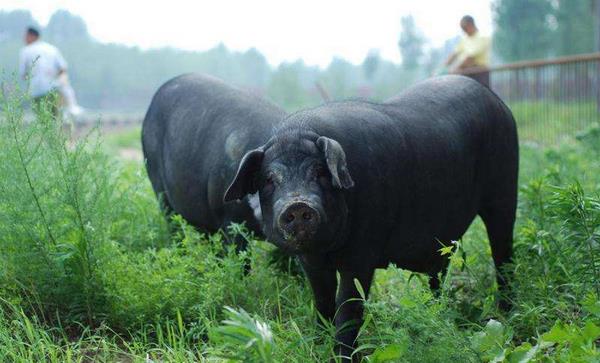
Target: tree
{"points": [[65, 26], [371, 63], [411, 43], [597, 26], [255, 68], [340, 79], [285, 87], [435, 57], [574, 21], [14, 23], [115, 77], [524, 28], [527, 29]]}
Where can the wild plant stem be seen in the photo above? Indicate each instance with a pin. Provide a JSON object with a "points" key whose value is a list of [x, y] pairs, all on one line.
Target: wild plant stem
{"points": [[30, 183]]}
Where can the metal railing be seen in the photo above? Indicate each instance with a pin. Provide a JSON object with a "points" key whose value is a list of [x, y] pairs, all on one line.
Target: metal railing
{"points": [[551, 99]]}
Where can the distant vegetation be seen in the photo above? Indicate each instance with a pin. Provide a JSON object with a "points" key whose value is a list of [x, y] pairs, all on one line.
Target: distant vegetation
{"points": [[549, 123], [118, 77], [531, 29], [121, 78]]}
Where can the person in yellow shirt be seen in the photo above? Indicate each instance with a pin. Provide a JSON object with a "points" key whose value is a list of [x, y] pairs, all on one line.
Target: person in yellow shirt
{"points": [[472, 54]]}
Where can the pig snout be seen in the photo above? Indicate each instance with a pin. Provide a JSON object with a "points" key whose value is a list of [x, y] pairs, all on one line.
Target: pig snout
{"points": [[299, 221]]}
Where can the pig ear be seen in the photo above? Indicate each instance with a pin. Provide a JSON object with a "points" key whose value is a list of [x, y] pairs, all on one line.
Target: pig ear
{"points": [[243, 183], [336, 162]]}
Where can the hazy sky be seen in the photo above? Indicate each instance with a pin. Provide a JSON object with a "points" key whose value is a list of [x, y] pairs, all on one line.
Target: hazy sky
{"points": [[282, 30]]}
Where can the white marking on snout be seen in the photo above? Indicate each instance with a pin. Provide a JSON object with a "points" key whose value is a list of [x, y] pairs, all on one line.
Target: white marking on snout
{"points": [[254, 203]]}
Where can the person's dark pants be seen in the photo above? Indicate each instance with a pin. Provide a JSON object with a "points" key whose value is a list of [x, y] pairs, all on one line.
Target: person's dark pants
{"points": [[481, 77], [47, 104]]}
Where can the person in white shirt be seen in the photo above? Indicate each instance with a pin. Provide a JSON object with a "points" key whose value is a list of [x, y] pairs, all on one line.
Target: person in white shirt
{"points": [[41, 65]]}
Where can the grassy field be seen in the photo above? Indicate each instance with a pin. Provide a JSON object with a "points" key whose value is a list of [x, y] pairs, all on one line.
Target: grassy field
{"points": [[89, 271], [550, 123]]}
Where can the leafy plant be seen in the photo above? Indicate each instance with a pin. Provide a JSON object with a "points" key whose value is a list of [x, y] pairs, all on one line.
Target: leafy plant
{"points": [[249, 339], [567, 343]]}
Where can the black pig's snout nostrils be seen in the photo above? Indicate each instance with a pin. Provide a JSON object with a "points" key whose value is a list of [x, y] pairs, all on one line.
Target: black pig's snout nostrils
{"points": [[299, 221]]}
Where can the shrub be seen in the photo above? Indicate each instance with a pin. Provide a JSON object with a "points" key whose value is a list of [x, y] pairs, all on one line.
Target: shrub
{"points": [[61, 205], [557, 256]]}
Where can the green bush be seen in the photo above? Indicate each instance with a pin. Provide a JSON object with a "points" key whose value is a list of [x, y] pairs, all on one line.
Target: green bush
{"points": [[557, 257], [61, 205], [56, 204]]}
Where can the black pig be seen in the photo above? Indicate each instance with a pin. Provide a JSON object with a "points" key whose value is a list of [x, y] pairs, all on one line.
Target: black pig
{"points": [[353, 186], [194, 135]]}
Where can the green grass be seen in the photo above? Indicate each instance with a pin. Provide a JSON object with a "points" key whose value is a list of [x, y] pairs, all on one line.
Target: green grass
{"points": [[544, 123], [89, 272], [552, 123], [128, 138]]}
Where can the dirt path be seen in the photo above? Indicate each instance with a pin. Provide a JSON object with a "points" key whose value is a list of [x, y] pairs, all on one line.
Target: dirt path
{"points": [[125, 153], [131, 154]]}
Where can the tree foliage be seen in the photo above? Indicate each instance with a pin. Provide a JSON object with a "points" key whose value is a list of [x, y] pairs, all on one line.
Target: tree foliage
{"points": [[575, 22], [523, 29], [371, 63], [528, 29], [411, 43], [64, 26], [121, 78], [13, 23]]}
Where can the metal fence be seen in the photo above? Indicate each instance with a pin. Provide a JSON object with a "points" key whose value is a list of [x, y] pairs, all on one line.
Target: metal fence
{"points": [[551, 99]]}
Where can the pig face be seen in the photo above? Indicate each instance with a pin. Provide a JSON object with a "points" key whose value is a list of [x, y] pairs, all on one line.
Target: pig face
{"points": [[300, 181]]}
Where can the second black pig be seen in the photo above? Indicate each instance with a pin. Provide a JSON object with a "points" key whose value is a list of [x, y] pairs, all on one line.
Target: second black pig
{"points": [[194, 135]]}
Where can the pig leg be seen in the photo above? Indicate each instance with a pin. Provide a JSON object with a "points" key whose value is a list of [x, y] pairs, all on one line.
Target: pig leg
{"points": [[348, 319], [236, 240], [324, 285], [240, 213], [167, 211], [499, 222], [434, 280], [165, 205]]}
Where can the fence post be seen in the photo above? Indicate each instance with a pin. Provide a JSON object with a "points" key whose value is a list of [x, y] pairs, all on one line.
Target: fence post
{"points": [[537, 82], [322, 92]]}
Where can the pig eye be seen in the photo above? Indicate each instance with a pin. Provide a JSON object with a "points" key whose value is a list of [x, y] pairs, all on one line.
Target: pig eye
{"points": [[269, 184], [322, 175]]}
